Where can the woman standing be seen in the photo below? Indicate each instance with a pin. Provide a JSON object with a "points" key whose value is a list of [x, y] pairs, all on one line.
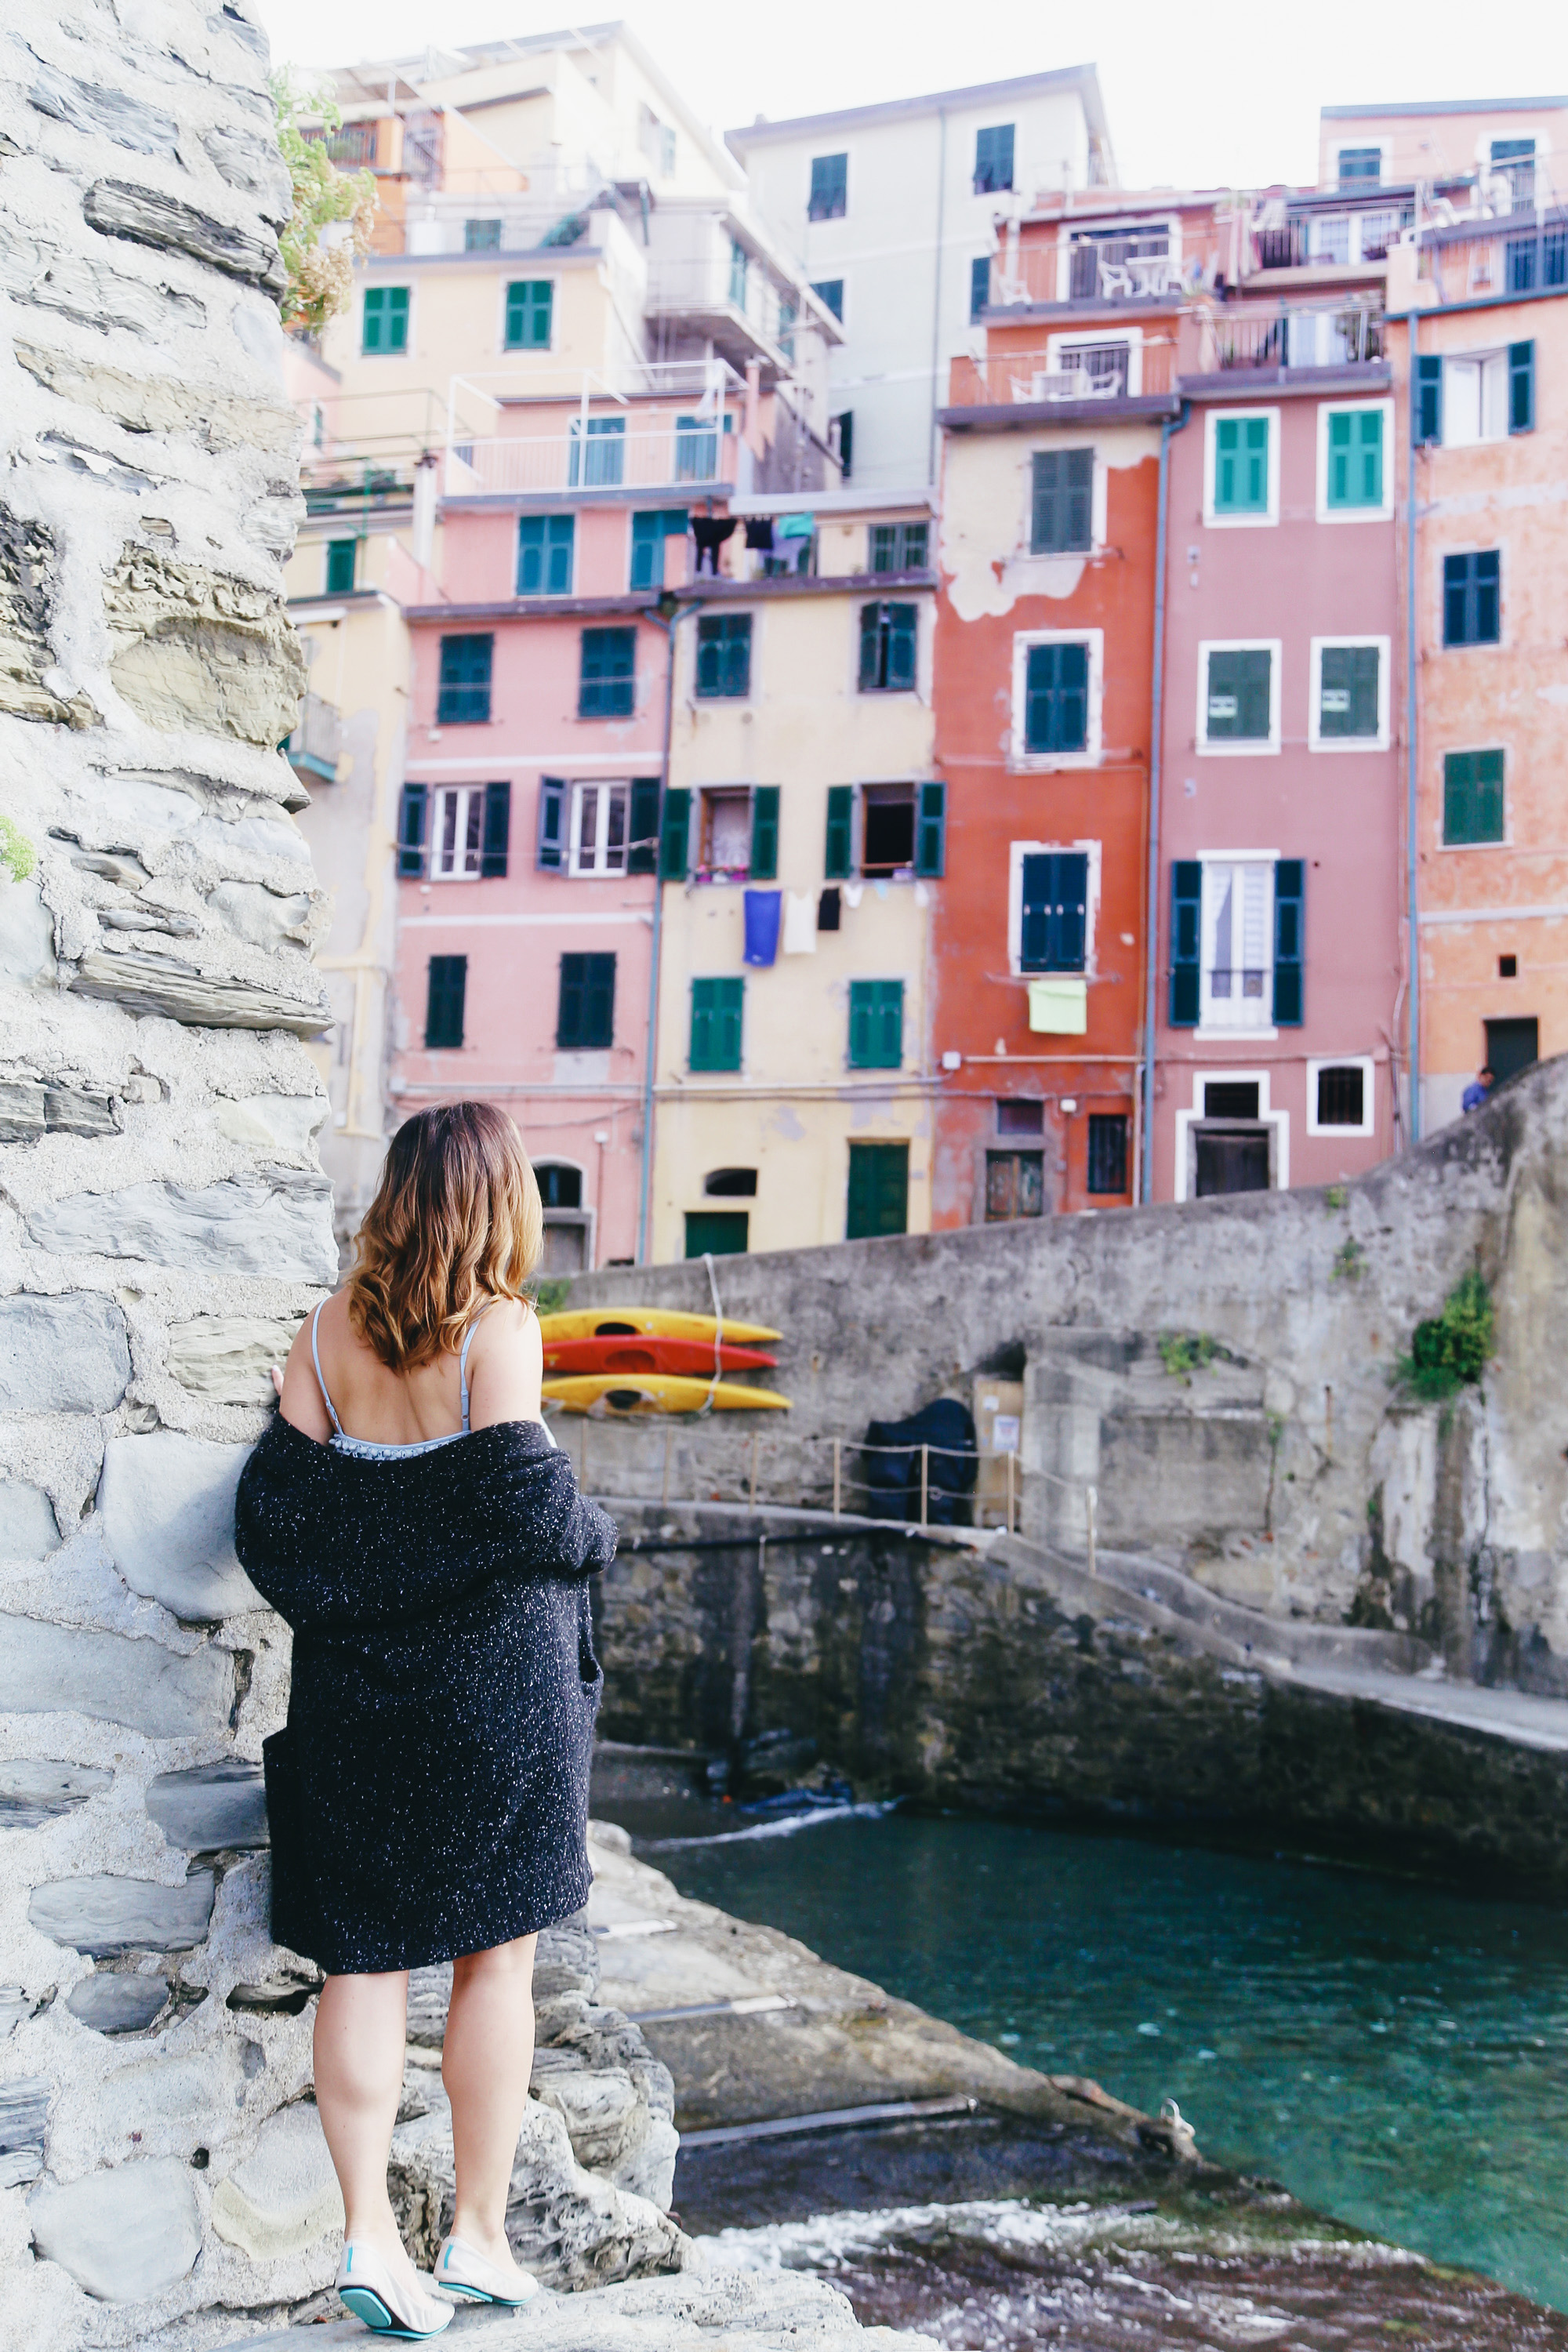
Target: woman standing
{"points": [[408, 1513]]}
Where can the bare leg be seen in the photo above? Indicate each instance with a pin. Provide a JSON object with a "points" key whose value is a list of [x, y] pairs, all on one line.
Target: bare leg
{"points": [[361, 2023], [485, 2065]]}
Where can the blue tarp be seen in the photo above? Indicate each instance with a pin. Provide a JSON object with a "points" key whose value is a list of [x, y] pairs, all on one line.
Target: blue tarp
{"points": [[762, 925]]}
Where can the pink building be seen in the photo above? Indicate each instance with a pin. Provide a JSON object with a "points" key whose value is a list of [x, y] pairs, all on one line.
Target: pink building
{"points": [[1278, 903]]}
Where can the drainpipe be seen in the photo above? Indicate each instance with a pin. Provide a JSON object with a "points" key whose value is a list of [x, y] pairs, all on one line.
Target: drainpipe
{"points": [[645, 1184], [936, 290], [1168, 431], [1413, 322]]}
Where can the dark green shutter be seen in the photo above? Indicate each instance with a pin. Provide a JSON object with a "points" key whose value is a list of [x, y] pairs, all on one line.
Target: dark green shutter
{"points": [[870, 628], [931, 834], [411, 817], [447, 984], [643, 848], [1186, 942], [674, 835], [879, 1200], [340, 557], [1290, 940], [550, 854], [1428, 397], [586, 1007], [1521, 387], [902, 644], [647, 551], [876, 1024], [528, 309], [498, 830], [1472, 797], [836, 863], [716, 1007], [1063, 502], [764, 833]]}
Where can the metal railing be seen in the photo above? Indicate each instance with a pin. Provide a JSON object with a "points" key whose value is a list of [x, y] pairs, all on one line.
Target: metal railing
{"points": [[1258, 336], [1091, 368], [1513, 259], [1140, 266], [666, 456]]}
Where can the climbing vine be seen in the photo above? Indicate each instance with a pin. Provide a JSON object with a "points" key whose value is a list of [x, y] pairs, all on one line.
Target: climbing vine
{"points": [[1452, 1349], [1183, 1353], [320, 273]]}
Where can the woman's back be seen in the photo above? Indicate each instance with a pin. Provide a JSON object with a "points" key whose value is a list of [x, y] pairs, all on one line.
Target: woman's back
{"points": [[379, 1406]]}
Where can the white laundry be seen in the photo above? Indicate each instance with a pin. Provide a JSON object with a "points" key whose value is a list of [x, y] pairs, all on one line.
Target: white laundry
{"points": [[799, 923]]}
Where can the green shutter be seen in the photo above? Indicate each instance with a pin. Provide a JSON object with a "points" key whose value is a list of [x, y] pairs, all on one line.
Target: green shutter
{"points": [[931, 834], [1355, 457], [1241, 465], [341, 556], [879, 1200], [1290, 940], [1347, 692], [497, 831], [904, 621], [1186, 940], [764, 833], [674, 835], [876, 1024], [1428, 397], [1063, 502], [716, 1007], [544, 550], [647, 551], [716, 1232], [836, 863], [1521, 387], [411, 829], [643, 846], [1472, 797], [870, 622], [529, 305], [549, 845]]}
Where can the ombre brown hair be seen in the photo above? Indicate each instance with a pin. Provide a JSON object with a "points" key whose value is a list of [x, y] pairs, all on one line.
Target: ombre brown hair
{"points": [[456, 1221]]}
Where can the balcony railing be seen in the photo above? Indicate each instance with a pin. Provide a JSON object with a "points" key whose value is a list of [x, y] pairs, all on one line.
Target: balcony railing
{"points": [[1506, 260], [1135, 268], [1256, 337], [316, 744], [1104, 368], [688, 456], [1326, 240]]}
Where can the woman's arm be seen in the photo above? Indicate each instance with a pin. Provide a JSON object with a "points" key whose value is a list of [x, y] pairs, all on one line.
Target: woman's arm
{"points": [[300, 1399], [506, 1365]]}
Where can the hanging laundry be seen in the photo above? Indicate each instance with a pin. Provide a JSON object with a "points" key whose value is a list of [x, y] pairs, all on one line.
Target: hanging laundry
{"points": [[795, 526], [762, 926], [800, 925], [711, 532], [760, 532], [853, 893], [827, 909]]}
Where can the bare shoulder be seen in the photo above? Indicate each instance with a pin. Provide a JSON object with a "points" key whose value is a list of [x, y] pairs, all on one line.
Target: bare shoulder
{"points": [[300, 1401], [507, 1332], [506, 1364]]}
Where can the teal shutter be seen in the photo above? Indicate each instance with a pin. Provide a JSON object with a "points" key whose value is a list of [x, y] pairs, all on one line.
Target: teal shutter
{"points": [[879, 1200], [1186, 942], [716, 1007], [411, 819], [931, 835], [643, 846], [340, 557], [545, 552], [398, 317], [550, 850], [902, 624], [1241, 465], [1428, 393], [674, 835], [1521, 387], [1290, 940], [528, 306], [764, 833], [1472, 797], [836, 863], [876, 1024], [497, 831], [1347, 692], [1355, 457]]}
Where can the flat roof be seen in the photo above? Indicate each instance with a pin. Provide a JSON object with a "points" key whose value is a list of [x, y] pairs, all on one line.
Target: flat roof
{"points": [[1441, 105], [1084, 78]]}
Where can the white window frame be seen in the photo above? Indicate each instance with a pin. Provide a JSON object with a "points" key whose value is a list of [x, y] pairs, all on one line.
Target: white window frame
{"points": [[467, 797], [847, 152], [1366, 1063], [1278, 1120], [1039, 762], [1016, 853], [1241, 523], [701, 794], [407, 352], [1451, 360], [1253, 748], [1207, 1025], [606, 784], [1060, 347], [1381, 513], [1316, 742]]}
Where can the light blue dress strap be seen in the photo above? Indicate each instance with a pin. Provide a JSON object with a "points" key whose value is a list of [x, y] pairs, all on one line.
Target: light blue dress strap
{"points": [[320, 1383], [463, 1359]]}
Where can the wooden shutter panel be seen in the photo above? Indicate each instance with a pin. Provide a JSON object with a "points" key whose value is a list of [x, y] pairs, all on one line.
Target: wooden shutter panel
{"points": [[1428, 390], [1289, 943], [1034, 926], [837, 862], [411, 821], [498, 830], [1080, 500], [599, 1003], [870, 618], [1072, 912], [643, 846], [902, 626], [674, 835], [1256, 438], [764, 833], [1340, 492], [550, 852], [930, 831], [1186, 940], [891, 1024], [531, 555], [1363, 712], [1521, 387]]}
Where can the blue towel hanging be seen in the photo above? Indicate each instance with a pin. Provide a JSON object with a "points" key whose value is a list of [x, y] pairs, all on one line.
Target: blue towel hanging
{"points": [[762, 925]]}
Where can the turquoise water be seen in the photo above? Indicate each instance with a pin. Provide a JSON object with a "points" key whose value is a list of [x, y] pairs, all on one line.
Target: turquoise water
{"points": [[1394, 2054]]}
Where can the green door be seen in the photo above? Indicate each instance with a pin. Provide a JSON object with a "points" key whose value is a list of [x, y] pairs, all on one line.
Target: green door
{"points": [[879, 1189], [719, 1233]]}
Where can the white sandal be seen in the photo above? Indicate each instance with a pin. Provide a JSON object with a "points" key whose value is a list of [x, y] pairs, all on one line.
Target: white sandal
{"points": [[365, 2286], [460, 2269]]}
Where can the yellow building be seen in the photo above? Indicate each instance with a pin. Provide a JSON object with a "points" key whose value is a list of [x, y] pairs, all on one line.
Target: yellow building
{"points": [[804, 840]]}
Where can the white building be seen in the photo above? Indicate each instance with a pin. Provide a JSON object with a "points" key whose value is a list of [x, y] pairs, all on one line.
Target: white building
{"points": [[892, 209]]}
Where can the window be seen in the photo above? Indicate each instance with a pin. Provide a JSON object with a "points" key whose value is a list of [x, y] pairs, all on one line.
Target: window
{"points": [[383, 321], [1472, 599], [731, 1184], [597, 459], [1015, 1185], [841, 440], [1514, 158], [1240, 463], [599, 828], [1106, 1151], [1338, 1098], [1056, 697], [830, 291], [1475, 400], [838, 855], [887, 639], [740, 260], [340, 557], [1547, 248], [1351, 461], [878, 1191], [1062, 508], [464, 699], [723, 656], [1349, 694], [724, 848], [717, 1233], [649, 532], [1238, 698], [481, 237], [560, 1186], [900, 546], [1428, 398], [1511, 1046], [469, 831], [674, 835], [886, 829], [697, 448], [446, 986], [979, 286], [657, 141], [876, 1024], [994, 160], [607, 687], [1053, 928], [412, 814], [530, 304], [1087, 371], [1472, 797], [1017, 1118], [585, 1008], [1522, 386], [545, 547], [716, 1007], [1360, 166], [829, 187], [1237, 942]]}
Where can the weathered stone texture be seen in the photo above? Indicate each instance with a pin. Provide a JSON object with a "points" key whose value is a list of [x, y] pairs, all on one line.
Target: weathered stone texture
{"points": [[167, 1506], [118, 2004], [62, 1355], [279, 1224], [211, 1806], [124, 2235], [68, 1670], [105, 1915], [193, 648]]}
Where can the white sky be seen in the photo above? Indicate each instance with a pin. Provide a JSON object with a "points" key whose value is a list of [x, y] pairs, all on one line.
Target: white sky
{"points": [[1225, 93]]}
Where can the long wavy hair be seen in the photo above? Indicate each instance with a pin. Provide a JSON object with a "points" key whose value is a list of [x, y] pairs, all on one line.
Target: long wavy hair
{"points": [[456, 1220]]}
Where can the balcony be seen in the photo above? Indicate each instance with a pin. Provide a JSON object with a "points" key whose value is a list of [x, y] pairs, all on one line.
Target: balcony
{"points": [[1466, 264], [1254, 336], [691, 456], [1330, 240], [1137, 267], [316, 745], [1097, 371]]}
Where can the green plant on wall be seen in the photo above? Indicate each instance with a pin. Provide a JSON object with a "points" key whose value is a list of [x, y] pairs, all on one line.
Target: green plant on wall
{"points": [[1350, 1262], [551, 1297], [1183, 1353], [320, 276], [18, 858], [1451, 1352]]}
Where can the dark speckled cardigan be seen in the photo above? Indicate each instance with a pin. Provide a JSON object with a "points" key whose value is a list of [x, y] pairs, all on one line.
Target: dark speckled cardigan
{"points": [[428, 1794]]}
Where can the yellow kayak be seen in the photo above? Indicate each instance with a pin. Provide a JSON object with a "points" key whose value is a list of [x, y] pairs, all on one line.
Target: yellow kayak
{"points": [[658, 1393], [661, 1322]]}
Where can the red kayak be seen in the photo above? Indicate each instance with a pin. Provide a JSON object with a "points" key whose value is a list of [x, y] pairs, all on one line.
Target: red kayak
{"points": [[641, 1353]]}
